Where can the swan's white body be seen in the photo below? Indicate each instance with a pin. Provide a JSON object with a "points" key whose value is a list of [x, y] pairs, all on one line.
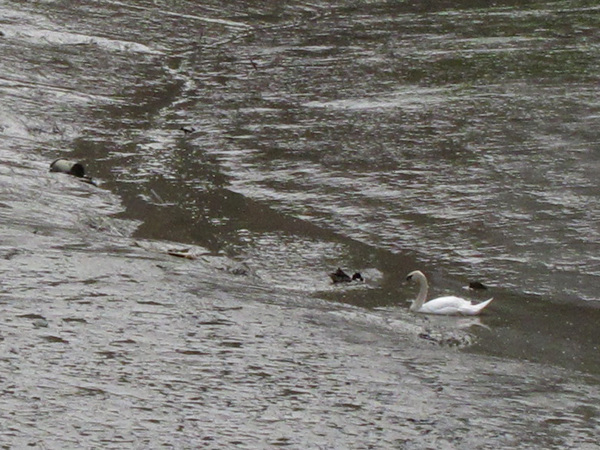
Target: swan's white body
{"points": [[443, 305]]}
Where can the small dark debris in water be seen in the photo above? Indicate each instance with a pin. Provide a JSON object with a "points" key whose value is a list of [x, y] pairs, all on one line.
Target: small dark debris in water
{"points": [[421, 421], [76, 169], [149, 302], [192, 352], [427, 337], [55, 339], [339, 276], [123, 341], [31, 316], [187, 129], [239, 271], [10, 254], [91, 391], [477, 285], [231, 344], [280, 442], [347, 405], [74, 319], [216, 322], [290, 392], [109, 354], [181, 253], [227, 308]]}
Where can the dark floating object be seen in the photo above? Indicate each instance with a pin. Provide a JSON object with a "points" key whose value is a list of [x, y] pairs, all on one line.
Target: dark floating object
{"points": [[55, 339], [181, 253], [64, 166], [187, 130], [72, 168], [477, 285], [339, 276]]}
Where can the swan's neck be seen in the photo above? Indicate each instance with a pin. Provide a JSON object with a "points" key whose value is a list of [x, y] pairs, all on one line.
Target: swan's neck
{"points": [[423, 288]]}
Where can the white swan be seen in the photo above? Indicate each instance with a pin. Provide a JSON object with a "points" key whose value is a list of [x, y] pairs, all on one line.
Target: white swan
{"points": [[443, 305]]}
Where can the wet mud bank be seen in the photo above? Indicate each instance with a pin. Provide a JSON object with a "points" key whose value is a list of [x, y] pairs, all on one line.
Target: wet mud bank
{"points": [[110, 341]]}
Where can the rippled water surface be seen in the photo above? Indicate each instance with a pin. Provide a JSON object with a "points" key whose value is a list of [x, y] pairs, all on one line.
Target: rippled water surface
{"points": [[270, 144]]}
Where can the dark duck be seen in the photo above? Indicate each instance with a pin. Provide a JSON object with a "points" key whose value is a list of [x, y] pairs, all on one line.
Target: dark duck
{"points": [[339, 276]]}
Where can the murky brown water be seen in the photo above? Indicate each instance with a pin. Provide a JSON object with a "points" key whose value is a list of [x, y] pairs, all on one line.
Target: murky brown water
{"points": [[377, 136]]}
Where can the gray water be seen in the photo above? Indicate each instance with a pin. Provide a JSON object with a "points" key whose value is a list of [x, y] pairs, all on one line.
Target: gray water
{"points": [[457, 138]]}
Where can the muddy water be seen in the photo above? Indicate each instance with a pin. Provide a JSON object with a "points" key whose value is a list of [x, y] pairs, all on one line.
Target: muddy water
{"points": [[382, 137]]}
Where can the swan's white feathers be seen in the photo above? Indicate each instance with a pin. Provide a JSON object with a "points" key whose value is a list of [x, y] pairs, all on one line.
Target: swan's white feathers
{"points": [[449, 305], [452, 305]]}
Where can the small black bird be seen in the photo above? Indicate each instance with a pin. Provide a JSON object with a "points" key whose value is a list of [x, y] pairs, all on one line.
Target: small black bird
{"points": [[477, 285], [187, 129], [339, 276]]}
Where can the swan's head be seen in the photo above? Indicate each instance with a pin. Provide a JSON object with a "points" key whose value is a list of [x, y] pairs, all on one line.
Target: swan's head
{"points": [[416, 275]]}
